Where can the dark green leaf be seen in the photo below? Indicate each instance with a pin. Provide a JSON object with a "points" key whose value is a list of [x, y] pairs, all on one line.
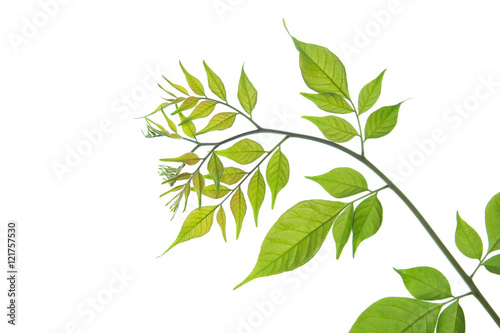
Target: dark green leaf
{"points": [[425, 283], [247, 94], [342, 228], [215, 83], [219, 122], [239, 209], [341, 182], [187, 158], [334, 128], [370, 93], [467, 239], [329, 102], [202, 110], [367, 220], [295, 238], [221, 220], [215, 169], [193, 82], [277, 174], [493, 223], [452, 319], [493, 264], [243, 152], [256, 193], [382, 122]]}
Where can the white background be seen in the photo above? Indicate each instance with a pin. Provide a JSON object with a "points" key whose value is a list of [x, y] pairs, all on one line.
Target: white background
{"points": [[104, 217]]}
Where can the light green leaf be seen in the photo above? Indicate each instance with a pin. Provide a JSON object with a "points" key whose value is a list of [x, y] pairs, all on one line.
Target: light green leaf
{"points": [[170, 123], [221, 220], [425, 283], [493, 223], [231, 175], [277, 174], [295, 238], [247, 94], [256, 193], [370, 93], [367, 220], [452, 319], [187, 191], [239, 209], [175, 189], [215, 83], [342, 228], [197, 224], [329, 102], [187, 158], [202, 110], [493, 264], [321, 69], [188, 103], [165, 90], [193, 82], [188, 128], [199, 185], [178, 87], [397, 314], [382, 122], [243, 152], [219, 122], [210, 191], [468, 240], [341, 182], [215, 169], [334, 128]]}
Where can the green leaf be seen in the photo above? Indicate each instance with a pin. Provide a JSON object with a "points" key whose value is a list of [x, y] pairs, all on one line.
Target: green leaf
{"points": [[370, 93], [231, 175], [295, 238], [425, 283], [210, 191], [199, 185], [170, 123], [165, 90], [197, 224], [367, 220], [239, 209], [493, 223], [382, 122], [221, 220], [468, 240], [247, 94], [341, 182], [175, 189], [452, 319], [256, 193], [329, 102], [215, 83], [397, 314], [321, 69], [202, 110], [193, 82], [493, 264], [277, 174], [215, 169], [187, 158], [342, 228], [188, 103], [188, 128], [187, 191], [334, 128], [219, 122], [178, 87], [243, 152]]}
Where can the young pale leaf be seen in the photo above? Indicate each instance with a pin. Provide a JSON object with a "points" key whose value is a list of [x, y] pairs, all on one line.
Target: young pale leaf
{"points": [[370, 93], [243, 152], [202, 110], [342, 228], [231, 175], [397, 314], [210, 191], [215, 169], [452, 319], [170, 123], [199, 185], [367, 220], [175, 189], [188, 128], [382, 122], [493, 223], [178, 87], [239, 209], [187, 192], [329, 102], [187, 158], [493, 264], [467, 240], [188, 103], [256, 193], [277, 174], [219, 122], [215, 83], [295, 238], [193, 82], [197, 224], [341, 182], [425, 283], [221, 220], [247, 94], [321, 69], [165, 90], [334, 128]]}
